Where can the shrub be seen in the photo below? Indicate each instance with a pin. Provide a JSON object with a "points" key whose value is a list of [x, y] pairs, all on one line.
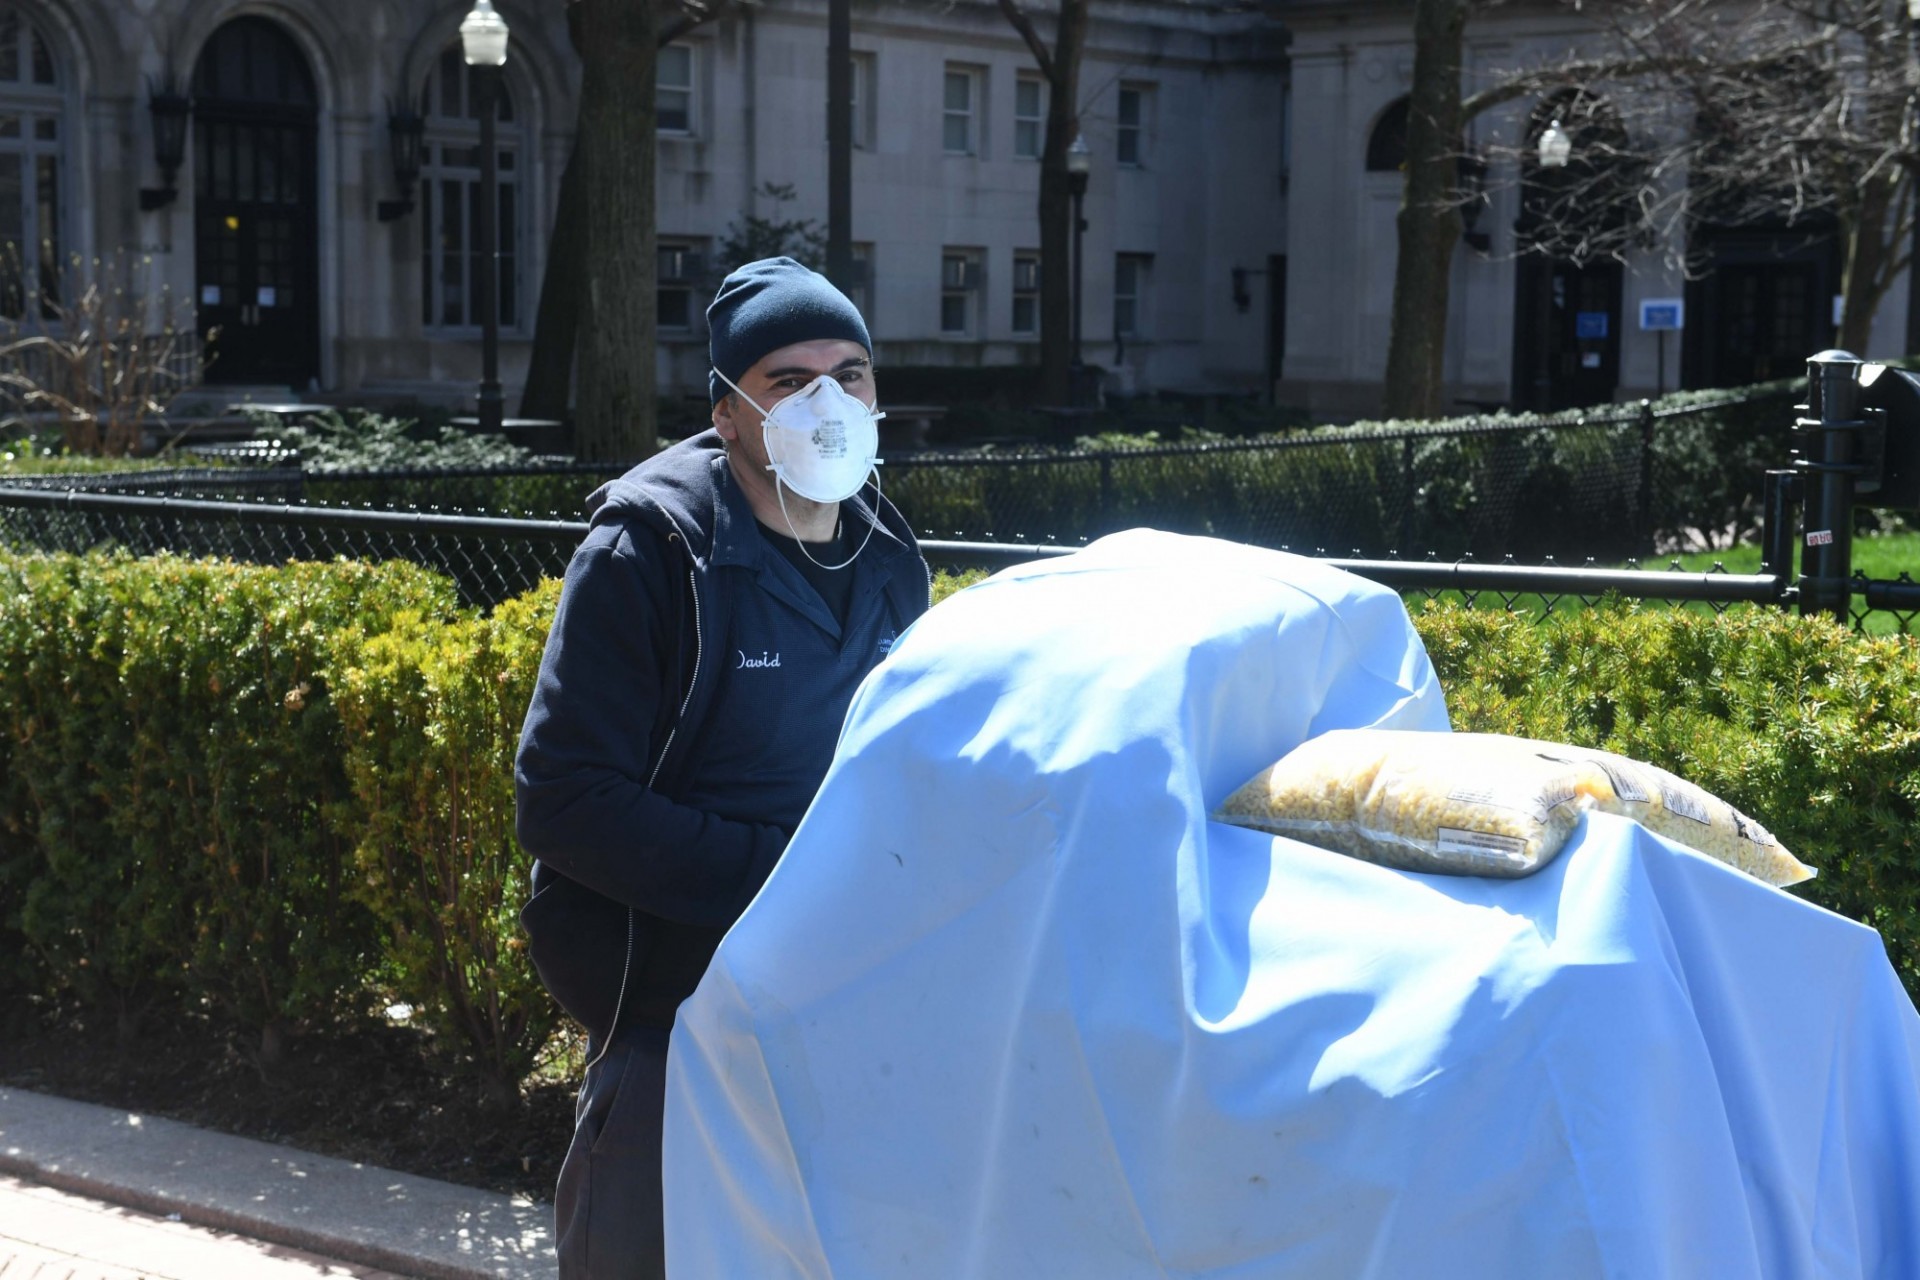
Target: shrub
{"points": [[360, 439], [433, 710], [1813, 730], [175, 781], [288, 791]]}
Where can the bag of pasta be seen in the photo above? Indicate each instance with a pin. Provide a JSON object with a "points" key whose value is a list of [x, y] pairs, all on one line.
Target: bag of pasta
{"points": [[1484, 804]]}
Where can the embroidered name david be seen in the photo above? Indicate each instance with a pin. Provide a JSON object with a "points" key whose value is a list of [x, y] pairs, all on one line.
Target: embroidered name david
{"points": [[764, 660]]}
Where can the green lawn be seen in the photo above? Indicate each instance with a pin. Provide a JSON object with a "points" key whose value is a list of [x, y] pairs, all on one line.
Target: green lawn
{"points": [[1880, 556]]}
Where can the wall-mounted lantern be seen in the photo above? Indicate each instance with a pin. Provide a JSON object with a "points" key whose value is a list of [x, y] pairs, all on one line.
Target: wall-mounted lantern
{"points": [[1556, 148], [170, 109], [405, 129]]}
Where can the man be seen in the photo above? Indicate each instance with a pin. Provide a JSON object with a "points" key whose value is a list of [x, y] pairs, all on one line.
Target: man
{"points": [[730, 595]]}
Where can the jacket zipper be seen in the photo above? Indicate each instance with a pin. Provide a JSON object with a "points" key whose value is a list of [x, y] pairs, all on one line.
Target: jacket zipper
{"points": [[626, 968]]}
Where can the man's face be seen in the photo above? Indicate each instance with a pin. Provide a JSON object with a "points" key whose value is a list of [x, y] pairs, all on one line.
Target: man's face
{"points": [[778, 375]]}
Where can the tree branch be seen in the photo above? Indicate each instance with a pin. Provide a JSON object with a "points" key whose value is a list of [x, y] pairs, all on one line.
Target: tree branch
{"points": [[687, 15], [1580, 74], [1024, 25]]}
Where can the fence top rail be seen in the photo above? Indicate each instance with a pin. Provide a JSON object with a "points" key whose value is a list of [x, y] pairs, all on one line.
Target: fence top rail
{"points": [[1649, 584], [1463, 575], [271, 513]]}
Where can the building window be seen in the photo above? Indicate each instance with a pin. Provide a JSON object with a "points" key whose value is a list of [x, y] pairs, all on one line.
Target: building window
{"points": [[958, 124], [678, 268], [863, 67], [862, 94], [673, 90], [1026, 293], [30, 166], [860, 288], [1130, 272], [1029, 117], [959, 287], [1286, 136], [450, 194], [1387, 144], [1136, 102]]}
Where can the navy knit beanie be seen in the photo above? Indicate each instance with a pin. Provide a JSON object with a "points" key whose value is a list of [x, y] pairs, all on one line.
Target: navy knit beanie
{"points": [[770, 304]]}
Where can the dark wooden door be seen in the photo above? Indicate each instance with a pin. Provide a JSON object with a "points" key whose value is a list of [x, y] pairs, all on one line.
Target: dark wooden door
{"points": [[1763, 306], [1583, 342], [255, 201], [1766, 322], [1566, 333]]}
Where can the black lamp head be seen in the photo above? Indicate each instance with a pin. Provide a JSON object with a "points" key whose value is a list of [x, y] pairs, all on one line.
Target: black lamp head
{"points": [[405, 129], [170, 110]]}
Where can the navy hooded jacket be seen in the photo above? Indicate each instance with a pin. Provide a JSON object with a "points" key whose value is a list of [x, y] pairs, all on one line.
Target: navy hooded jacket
{"points": [[689, 699]]}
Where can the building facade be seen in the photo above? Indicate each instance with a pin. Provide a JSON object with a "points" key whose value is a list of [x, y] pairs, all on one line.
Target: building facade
{"points": [[1524, 330], [286, 229]]}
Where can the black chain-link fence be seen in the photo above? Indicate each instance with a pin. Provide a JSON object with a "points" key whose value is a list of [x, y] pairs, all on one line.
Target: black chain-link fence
{"points": [[490, 560], [493, 559], [1603, 487], [1626, 481]]}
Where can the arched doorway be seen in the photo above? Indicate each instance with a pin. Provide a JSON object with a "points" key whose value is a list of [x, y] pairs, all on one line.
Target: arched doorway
{"points": [[1573, 223], [256, 264]]}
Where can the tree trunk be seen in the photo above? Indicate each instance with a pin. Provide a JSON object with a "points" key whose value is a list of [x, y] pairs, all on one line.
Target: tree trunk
{"points": [[1865, 277], [557, 322], [1429, 221], [1060, 66], [615, 411]]}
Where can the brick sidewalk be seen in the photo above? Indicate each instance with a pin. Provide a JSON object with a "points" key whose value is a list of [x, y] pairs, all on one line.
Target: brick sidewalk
{"points": [[50, 1235]]}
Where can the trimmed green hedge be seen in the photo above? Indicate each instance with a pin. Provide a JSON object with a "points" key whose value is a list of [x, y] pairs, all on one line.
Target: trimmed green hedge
{"points": [[1812, 729], [286, 792], [173, 799]]}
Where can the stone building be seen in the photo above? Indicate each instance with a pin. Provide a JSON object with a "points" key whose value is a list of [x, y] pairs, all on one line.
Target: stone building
{"points": [[1523, 330], [285, 226]]}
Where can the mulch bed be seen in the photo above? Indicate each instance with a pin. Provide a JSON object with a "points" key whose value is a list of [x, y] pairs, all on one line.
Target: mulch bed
{"points": [[369, 1092]]}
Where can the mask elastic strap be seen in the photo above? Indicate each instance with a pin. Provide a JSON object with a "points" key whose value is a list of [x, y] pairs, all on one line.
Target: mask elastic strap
{"points": [[743, 395], [779, 491]]}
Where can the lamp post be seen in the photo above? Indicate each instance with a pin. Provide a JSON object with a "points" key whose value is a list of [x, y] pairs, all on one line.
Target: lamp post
{"points": [[1079, 161], [1913, 269], [1553, 150], [483, 41]]}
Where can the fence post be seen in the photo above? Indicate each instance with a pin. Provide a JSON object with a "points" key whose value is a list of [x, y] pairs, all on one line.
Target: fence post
{"points": [[1829, 441], [1776, 529], [1405, 531], [1644, 497], [1106, 492]]}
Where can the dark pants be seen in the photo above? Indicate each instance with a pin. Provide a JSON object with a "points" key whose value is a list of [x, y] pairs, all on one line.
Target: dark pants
{"points": [[607, 1208]]}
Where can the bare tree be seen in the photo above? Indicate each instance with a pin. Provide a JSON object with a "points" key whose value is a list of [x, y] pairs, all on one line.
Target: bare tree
{"points": [[1059, 65], [1797, 115]]}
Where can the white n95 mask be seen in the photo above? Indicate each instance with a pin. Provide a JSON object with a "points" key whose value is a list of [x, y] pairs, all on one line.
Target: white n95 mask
{"points": [[821, 441]]}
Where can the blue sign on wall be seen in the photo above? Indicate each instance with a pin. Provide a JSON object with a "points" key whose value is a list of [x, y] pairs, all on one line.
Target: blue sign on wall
{"points": [[1659, 314], [1589, 325]]}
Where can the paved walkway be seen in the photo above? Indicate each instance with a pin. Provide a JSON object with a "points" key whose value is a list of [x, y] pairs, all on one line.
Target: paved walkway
{"points": [[94, 1193], [51, 1235]]}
